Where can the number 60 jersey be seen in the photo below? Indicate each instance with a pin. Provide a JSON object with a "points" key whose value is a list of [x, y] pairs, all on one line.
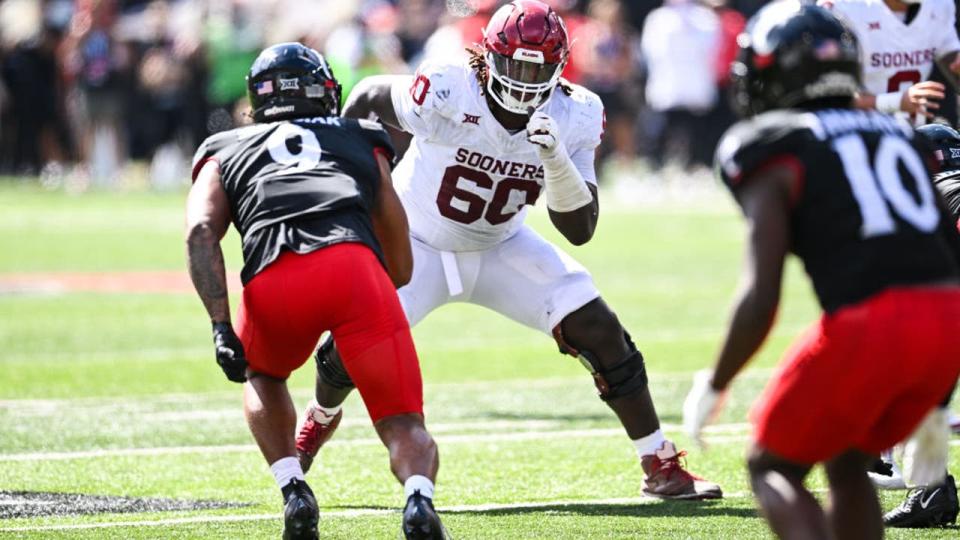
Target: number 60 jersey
{"points": [[465, 179], [864, 213]]}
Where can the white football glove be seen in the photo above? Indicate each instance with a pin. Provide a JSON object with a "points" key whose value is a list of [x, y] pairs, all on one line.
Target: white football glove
{"points": [[926, 451], [543, 132], [701, 406]]}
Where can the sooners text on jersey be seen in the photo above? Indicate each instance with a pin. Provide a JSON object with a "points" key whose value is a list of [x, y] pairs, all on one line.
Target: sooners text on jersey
{"points": [[466, 180]]}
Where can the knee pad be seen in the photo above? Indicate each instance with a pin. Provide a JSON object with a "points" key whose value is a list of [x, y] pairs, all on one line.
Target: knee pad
{"points": [[329, 366], [626, 377]]}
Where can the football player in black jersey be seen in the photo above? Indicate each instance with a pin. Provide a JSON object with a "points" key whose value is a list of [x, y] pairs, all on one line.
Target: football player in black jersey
{"points": [[936, 504], [325, 243], [849, 193]]}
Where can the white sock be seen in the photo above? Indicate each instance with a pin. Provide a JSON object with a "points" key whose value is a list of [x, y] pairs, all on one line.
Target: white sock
{"points": [[325, 415], [649, 444], [418, 482], [286, 469]]}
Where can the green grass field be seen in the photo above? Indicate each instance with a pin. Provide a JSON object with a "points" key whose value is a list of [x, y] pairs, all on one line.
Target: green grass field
{"points": [[118, 394]]}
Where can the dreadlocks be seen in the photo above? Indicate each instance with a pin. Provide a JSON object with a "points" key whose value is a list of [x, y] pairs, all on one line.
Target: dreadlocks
{"points": [[478, 63]]}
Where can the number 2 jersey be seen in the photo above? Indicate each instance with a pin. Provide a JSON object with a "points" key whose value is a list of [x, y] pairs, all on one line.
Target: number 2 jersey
{"points": [[896, 55], [865, 215], [465, 180], [298, 185]]}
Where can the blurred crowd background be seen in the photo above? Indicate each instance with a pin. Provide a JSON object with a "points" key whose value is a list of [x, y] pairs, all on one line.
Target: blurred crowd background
{"points": [[92, 88]]}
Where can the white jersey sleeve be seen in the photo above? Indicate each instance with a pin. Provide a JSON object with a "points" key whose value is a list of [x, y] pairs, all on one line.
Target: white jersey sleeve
{"points": [[583, 123], [423, 101]]}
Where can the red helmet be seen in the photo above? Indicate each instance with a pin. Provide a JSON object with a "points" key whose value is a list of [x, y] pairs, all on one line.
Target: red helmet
{"points": [[526, 48]]}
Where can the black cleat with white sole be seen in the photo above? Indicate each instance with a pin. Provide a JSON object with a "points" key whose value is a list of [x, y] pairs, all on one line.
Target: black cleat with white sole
{"points": [[934, 506], [420, 520], [300, 512]]}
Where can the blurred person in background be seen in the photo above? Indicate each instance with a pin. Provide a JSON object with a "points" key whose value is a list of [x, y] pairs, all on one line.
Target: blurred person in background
{"points": [[365, 47], [732, 23], [679, 43], [98, 64], [416, 22], [900, 41], [462, 28], [604, 49], [234, 34], [32, 102], [157, 119]]}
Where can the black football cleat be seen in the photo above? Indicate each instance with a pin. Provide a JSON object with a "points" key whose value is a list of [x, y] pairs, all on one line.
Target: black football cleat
{"points": [[300, 512], [934, 506], [420, 520]]}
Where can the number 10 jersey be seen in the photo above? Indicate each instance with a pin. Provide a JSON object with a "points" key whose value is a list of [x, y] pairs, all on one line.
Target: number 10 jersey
{"points": [[865, 215], [465, 181]]}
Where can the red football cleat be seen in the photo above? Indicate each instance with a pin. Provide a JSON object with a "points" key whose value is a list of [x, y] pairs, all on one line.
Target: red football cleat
{"points": [[316, 430], [667, 479]]}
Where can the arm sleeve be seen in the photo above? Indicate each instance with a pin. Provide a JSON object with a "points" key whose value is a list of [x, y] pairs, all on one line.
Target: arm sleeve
{"points": [[583, 159]]}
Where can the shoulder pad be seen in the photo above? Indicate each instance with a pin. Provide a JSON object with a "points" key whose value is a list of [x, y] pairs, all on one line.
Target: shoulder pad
{"points": [[585, 113], [375, 135], [750, 143], [209, 148], [437, 85]]}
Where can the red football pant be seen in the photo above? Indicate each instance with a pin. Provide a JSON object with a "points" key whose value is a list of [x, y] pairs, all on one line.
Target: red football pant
{"points": [[344, 289], [862, 377]]}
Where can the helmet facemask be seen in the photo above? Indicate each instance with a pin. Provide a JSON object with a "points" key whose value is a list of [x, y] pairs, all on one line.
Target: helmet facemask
{"points": [[522, 82]]}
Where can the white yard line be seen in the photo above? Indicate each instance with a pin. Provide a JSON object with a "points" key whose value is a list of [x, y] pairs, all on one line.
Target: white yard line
{"points": [[489, 507], [722, 432], [194, 397]]}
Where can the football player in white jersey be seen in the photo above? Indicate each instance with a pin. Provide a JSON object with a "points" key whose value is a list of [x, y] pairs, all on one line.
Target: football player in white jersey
{"points": [[490, 136], [899, 42]]}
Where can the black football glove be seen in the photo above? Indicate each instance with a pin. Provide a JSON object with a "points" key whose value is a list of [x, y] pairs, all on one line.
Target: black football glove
{"points": [[230, 355]]}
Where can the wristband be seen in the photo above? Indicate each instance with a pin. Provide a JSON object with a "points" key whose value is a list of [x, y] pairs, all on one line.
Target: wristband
{"points": [[889, 103], [565, 186]]}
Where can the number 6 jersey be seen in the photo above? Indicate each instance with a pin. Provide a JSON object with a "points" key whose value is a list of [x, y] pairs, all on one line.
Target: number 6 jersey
{"points": [[465, 181], [865, 215], [298, 185]]}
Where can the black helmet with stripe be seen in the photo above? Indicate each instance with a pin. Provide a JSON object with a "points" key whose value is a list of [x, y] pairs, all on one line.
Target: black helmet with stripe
{"points": [[792, 54], [291, 80]]}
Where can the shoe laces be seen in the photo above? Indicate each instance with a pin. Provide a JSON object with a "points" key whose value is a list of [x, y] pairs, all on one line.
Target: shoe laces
{"points": [[675, 464], [310, 442]]}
